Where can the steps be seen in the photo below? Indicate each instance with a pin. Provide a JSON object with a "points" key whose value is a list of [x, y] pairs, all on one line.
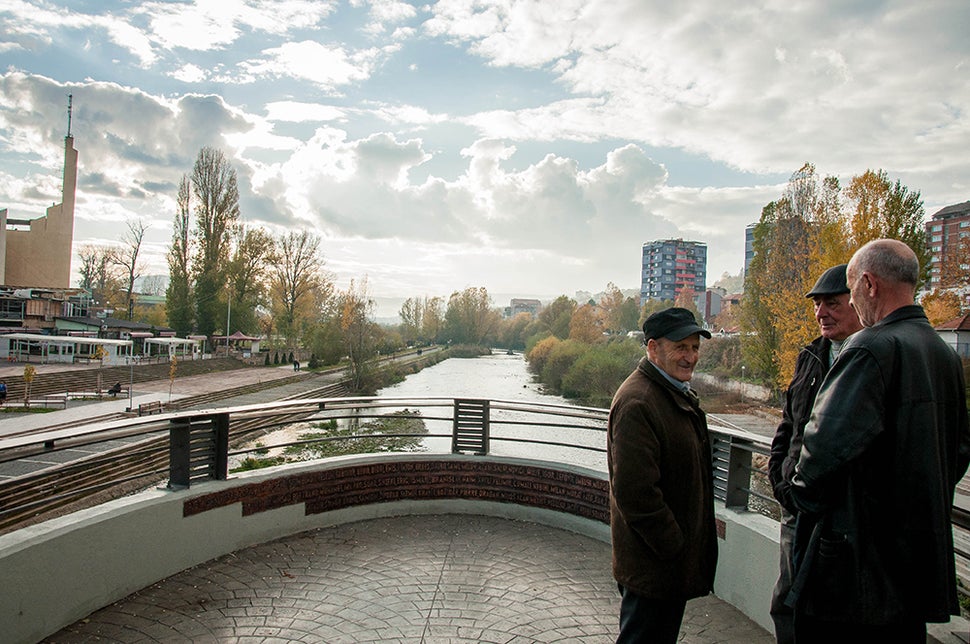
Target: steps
{"points": [[86, 379]]}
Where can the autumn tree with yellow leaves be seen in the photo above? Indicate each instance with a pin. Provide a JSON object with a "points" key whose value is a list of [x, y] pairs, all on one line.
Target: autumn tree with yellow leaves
{"points": [[813, 226]]}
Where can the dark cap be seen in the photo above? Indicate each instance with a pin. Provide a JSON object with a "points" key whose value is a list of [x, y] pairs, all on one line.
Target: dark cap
{"points": [[832, 282], [674, 324]]}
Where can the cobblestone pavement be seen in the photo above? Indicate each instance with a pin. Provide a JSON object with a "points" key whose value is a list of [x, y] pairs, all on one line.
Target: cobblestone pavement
{"points": [[442, 578]]}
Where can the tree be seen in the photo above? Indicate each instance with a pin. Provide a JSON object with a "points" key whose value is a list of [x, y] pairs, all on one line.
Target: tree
{"points": [[245, 277], [587, 324], [432, 318], [126, 258], [298, 286], [886, 209], [217, 215], [360, 334], [611, 306], [512, 332], [178, 295], [469, 318], [955, 265], [650, 307], [555, 318], [685, 300], [941, 306], [153, 285], [411, 315], [813, 226], [98, 273], [629, 315]]}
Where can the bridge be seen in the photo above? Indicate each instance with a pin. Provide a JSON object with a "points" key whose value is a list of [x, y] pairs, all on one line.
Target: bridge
{"points": [[489, 461]]}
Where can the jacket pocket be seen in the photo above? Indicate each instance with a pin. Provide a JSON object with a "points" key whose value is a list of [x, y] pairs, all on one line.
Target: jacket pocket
{"points": [[833, 587]]}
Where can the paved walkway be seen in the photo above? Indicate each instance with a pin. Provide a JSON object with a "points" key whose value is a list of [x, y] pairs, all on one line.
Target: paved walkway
{"points": [[447, 578]]}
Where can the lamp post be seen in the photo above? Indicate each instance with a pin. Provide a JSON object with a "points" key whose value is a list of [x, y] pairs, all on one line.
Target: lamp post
{"points": [[228, 314], [742, 384], [131, 380]]}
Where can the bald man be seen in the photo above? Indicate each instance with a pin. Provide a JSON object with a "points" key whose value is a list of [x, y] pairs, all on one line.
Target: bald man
{"points": [[886, 444]]}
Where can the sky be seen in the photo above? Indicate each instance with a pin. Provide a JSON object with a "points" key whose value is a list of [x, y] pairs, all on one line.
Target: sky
{"points": [[530, 147]]}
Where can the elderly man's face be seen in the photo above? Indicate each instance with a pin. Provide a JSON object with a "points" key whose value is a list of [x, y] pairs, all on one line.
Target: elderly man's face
{"points": [[836, 319], [859, 297], [677, 358]]}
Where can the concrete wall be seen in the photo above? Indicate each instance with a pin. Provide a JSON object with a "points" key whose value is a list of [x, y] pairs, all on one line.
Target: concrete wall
{"points": [[63, 570], [41, 256]]}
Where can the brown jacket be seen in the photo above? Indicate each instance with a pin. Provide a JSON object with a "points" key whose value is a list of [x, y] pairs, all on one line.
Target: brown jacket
{"points": [[661, 489]]}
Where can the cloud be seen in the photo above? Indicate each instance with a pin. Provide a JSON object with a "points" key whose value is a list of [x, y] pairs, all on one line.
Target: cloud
{"points": [[325, 65], [710, 78]]}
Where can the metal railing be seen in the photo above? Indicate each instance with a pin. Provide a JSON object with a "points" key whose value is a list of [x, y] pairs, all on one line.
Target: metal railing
{"points": [[201, 445], [193, 446]]}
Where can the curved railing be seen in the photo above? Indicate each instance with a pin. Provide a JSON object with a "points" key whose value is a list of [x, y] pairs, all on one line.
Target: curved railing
{"points": [[191, 446], [183, 448]]}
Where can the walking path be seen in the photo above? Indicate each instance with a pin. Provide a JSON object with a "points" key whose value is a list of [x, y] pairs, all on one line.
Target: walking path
{"points": [[443, 578]]}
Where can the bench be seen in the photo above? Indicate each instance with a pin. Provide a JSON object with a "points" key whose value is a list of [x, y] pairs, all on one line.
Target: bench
{"points": [[148, 408], [43, 402]]}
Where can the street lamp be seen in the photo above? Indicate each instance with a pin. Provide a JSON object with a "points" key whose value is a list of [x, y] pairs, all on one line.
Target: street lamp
{"points": [[131, 380], [742, 384]]}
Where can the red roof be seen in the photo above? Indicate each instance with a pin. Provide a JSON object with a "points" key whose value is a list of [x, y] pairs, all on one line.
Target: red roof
{"points": [[961, 323]]}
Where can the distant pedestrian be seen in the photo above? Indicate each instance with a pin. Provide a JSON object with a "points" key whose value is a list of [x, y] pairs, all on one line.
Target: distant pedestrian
{"points": [[887, 442], [3, 392], [661, 484], [296, 365], [837, 320]]}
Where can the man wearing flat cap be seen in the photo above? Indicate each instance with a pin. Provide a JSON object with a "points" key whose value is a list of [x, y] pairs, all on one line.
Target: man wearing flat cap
{"points": [[837, 320], [661, 484]]}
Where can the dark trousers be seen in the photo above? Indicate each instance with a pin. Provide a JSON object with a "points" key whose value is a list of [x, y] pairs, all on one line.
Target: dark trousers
{"points": [[781, 614], [809, 630], [645, 620]]}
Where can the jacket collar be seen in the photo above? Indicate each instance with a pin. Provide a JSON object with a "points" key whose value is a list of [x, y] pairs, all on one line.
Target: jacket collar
{"points": [[651, 371], [910, 312]]}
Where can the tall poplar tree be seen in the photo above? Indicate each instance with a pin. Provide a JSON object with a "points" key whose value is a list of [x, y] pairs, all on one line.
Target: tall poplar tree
{"points": [[178, 294], [217, 216]]}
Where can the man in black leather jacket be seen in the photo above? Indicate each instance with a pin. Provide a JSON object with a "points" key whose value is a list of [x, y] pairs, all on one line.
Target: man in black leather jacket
{"points": [[837, 320], [887, 442]]}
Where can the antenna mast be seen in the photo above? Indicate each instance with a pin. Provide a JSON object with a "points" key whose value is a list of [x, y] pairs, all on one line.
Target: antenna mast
{"points": [[70, 100]]}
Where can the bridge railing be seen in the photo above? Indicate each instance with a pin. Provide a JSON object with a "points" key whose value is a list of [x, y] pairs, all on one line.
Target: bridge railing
{"points": [[192, 446], [182, 448]]}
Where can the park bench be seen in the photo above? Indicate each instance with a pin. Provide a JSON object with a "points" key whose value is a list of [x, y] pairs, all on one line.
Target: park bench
{"points": [[148, 408]]}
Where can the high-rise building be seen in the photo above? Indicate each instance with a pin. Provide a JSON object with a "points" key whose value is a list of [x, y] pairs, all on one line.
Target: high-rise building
{"points": [[671, 265], [944, 231]]}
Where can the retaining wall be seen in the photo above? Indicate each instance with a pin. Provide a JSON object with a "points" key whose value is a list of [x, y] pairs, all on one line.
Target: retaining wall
{"points": [[60, 571]]}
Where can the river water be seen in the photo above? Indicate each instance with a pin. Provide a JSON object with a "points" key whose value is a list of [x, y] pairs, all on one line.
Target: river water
{"points": [[504, 377], [498, 377]]}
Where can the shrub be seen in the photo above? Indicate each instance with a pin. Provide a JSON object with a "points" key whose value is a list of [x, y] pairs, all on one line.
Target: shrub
{"points": [[561, 360]]}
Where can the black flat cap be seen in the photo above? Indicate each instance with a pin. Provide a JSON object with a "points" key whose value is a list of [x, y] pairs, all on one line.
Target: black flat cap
{"points": [[832, 282], [674, 324]]}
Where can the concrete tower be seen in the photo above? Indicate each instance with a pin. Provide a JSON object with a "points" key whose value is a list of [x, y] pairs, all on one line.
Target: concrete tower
{"points": [[41, 255]]}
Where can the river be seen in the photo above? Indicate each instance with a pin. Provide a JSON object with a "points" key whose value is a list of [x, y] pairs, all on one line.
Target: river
{"points": [[495, 377], [502, 377]]}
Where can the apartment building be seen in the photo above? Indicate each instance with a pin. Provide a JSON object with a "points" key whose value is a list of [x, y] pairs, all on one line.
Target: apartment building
{"points": [[671, 265], [944, 231]]}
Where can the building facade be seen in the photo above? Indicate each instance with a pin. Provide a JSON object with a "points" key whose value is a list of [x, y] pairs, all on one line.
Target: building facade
{"points": [[670, 266], [944, 232], [36, 253]]}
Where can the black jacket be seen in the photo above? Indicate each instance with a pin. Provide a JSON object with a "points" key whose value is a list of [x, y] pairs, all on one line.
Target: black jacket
{"points": [[887, 443], [810, 368]]}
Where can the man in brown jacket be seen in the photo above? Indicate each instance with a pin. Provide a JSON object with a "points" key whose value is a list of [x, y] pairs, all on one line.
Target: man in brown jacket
{"points": [[661, 484]]}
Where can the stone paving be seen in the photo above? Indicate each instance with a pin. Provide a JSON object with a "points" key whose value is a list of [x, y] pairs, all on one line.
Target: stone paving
{"points": [[429, 579]]}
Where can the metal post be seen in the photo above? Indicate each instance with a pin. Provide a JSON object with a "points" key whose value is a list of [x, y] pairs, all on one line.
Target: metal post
{"points": [[738, 477]]}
